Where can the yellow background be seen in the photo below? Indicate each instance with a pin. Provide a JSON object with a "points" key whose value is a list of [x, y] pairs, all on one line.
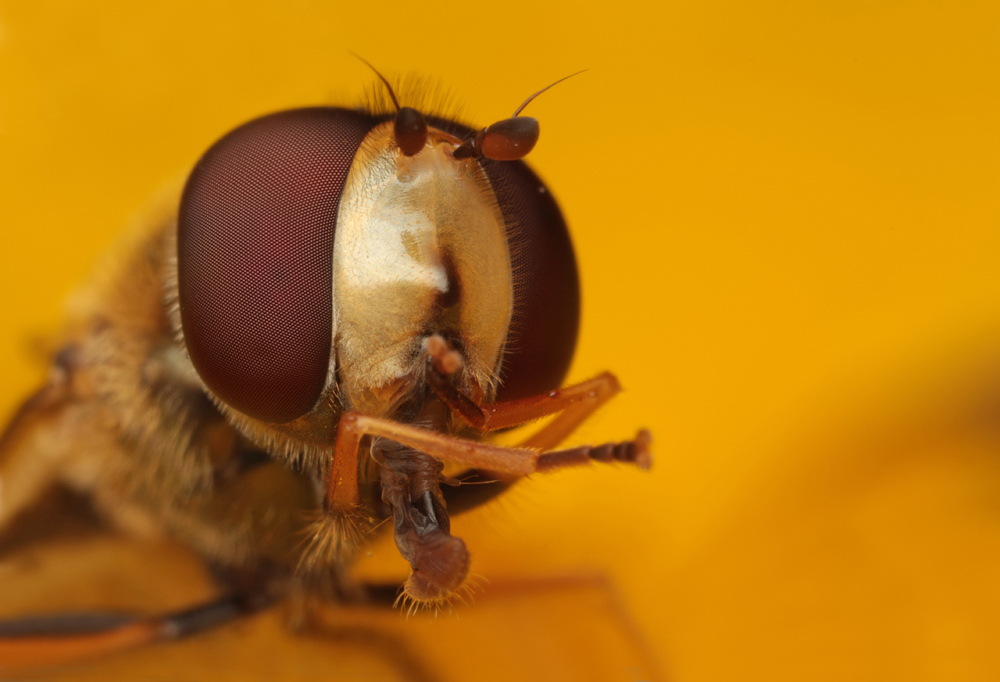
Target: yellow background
{"points": [[787, 218]]}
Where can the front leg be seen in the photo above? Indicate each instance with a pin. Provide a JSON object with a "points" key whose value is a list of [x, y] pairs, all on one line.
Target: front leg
{"points": [[410, 476]]}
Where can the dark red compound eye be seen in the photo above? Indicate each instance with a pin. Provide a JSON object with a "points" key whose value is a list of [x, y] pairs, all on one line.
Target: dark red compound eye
{"points": [[546, 318], [255, 254]]}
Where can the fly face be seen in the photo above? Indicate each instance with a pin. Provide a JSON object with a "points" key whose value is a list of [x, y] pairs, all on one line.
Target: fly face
{"points": [[421, 249], [353, 300], [352, 282]]}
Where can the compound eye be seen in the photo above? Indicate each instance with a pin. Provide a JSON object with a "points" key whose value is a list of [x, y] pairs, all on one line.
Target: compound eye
{"points": [[546, 313], [254, 258]]}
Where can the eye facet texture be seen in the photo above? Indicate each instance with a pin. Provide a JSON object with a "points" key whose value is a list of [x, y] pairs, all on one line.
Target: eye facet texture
{"points": [[255, 249], [546, 317]]}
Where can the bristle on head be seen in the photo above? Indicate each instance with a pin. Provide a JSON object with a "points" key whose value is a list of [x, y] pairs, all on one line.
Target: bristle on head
{"points": [[426, 95]]}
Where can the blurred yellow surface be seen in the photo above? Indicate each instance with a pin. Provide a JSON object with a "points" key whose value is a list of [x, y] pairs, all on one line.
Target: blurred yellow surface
{"points": [[787, 218]]}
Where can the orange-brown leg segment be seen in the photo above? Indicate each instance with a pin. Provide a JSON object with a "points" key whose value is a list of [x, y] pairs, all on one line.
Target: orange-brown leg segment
{"points": [[508, 460], [579, 401], [342, 493], [29, 652], [46, 641], [519, 461], [342, 488], [576, 402]]}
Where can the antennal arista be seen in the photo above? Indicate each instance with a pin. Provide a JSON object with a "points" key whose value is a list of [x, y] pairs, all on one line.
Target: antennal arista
{"points": [[507, 140], [547, 87]]}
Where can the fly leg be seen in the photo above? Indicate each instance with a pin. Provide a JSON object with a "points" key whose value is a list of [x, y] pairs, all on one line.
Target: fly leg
{"points": [[493, 468], [46, 641], [475, 487], [572, 405], [411, 459], [411, 463]]}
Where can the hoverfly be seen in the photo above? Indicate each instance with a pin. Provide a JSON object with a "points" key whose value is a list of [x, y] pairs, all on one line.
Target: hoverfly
{"points": [[344, 302]]}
